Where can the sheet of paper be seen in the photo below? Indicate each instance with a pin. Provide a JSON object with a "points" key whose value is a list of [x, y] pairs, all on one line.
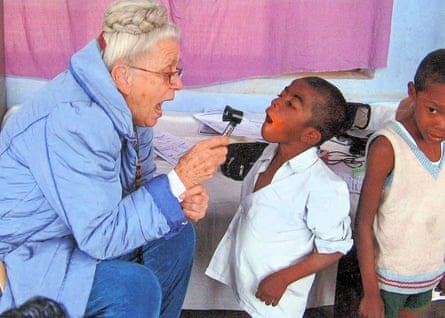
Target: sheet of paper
{"points": [[170, 147], [206, 130], [354, 183], [249, 127], [354, 180]]}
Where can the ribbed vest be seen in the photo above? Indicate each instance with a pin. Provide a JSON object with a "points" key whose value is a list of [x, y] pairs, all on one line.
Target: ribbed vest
{"points": [[409, 227]]}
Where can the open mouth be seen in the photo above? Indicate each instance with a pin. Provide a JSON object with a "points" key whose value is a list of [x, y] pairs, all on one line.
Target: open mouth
{"points": [[268, 119], [158, 110]]}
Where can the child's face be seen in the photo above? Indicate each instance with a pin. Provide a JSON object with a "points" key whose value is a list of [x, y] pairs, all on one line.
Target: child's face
{"points": [[288, 115], [429, 112]]}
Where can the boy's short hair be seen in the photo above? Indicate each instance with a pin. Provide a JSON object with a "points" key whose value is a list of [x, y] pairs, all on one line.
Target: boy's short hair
{"points": [[329, 112], [430, 70], [39, 307]]}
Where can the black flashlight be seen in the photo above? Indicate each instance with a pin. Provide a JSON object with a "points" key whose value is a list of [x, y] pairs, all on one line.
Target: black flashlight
{"points": [[233, 116]]}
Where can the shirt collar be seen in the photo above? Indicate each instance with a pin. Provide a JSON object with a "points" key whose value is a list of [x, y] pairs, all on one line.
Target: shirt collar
{"points": [[298, 163]]}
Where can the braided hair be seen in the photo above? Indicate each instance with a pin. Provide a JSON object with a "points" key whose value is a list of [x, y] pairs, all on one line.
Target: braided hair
{"points": [[132, 27]]}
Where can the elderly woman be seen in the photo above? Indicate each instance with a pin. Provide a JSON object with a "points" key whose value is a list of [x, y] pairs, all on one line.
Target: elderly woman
{"points": [[83, 219]]}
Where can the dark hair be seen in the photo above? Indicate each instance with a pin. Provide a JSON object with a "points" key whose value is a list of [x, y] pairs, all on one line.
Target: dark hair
{"points": [[37, 307], [329, 111], [431, 70]]}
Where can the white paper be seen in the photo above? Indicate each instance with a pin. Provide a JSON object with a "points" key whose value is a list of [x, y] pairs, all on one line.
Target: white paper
{"points": [[354, 183], [170, 147]]}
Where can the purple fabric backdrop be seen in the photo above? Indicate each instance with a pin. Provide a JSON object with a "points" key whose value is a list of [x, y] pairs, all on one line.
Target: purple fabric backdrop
{"points": [[222, 40]]}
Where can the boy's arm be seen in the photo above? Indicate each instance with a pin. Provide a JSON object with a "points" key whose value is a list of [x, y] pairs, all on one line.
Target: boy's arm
{"points": [[272, 288], [380, 163]]}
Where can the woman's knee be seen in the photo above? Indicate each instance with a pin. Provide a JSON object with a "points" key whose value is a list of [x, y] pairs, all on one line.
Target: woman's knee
{"points": [[141, 286], [127, 288]]}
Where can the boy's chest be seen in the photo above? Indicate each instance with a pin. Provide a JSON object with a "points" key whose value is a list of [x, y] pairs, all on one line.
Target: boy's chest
{"points": [[265, 177]]}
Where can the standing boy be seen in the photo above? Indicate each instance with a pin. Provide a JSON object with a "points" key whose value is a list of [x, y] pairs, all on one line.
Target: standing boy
{"points": [[293, 220], [400, 219]]}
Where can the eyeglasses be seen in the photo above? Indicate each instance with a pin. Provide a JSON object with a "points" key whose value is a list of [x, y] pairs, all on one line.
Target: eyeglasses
{"points": [[170, 75]]}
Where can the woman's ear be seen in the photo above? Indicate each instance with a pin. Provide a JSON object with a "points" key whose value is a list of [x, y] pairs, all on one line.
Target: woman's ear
{"points": [[311, 136], [121, 77]]}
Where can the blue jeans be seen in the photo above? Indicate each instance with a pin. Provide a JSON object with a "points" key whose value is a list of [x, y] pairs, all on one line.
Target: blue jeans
{"points": [[124, 288]]}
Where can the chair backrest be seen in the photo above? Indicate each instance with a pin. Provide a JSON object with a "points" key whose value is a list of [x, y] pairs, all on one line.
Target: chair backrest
{"points": [[2, 276], [8, 114]]}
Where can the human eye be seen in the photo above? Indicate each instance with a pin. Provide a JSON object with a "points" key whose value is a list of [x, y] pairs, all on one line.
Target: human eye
{"points": [[432, 110], [289, 104]]}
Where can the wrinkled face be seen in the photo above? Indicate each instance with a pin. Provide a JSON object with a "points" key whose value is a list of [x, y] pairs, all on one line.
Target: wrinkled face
{"points": [[288, 115], [430, 112], [151, 82]]}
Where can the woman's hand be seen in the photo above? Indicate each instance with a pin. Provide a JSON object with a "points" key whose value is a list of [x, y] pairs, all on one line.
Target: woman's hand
{"points": [[202, 161], [195, 202]]}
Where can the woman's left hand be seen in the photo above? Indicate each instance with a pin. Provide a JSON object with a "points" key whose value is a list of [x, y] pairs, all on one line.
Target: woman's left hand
{"points": [[195, 202]]}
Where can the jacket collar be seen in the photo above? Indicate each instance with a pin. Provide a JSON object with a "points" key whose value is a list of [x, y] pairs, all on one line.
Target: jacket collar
{"points": [[90, 72]]}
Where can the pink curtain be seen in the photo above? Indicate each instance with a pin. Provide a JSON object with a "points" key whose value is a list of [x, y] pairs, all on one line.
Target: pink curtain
{"points": [[222, 40], [41, 35]]}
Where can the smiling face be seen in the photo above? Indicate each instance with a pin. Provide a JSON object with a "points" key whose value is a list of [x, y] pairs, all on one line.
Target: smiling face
{"points": [[145, 91], [429, 112], [288, 115]]}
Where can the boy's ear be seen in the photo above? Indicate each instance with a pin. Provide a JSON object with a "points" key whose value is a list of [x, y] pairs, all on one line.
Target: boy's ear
{"points": [[311, 136], [121, 78], [412, 91]]}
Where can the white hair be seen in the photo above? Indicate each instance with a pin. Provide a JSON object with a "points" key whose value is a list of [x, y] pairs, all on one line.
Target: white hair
{"points": [[132, 27]]}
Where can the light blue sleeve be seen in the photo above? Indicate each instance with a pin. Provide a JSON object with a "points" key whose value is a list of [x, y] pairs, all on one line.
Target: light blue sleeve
{"points": [[83, 152], [328, 216]]}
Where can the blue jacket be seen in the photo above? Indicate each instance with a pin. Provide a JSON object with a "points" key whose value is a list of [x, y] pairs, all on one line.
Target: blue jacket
{"points": [[67, 196]]}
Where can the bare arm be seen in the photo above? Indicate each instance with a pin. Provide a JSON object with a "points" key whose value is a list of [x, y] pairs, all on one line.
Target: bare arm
{"points": [[380, 163], [272, 288]]}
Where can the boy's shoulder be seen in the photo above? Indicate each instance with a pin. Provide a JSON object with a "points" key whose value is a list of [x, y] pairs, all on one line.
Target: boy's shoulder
{"points": [[326, 179]]}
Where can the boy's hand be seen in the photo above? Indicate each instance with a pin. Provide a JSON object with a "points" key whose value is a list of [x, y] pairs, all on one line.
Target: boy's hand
{"points": [[271, 289], [372, 307]]}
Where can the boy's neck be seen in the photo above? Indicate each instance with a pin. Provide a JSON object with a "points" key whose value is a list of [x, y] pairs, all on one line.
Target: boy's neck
{"points": [[432, 151], [282, 155]]}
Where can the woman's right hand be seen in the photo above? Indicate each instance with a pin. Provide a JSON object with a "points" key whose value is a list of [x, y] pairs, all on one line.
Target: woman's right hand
{"points": [[202, 161]]}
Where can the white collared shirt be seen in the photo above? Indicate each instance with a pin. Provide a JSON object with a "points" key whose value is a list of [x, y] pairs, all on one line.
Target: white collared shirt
{"points": [[304, 208]]}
